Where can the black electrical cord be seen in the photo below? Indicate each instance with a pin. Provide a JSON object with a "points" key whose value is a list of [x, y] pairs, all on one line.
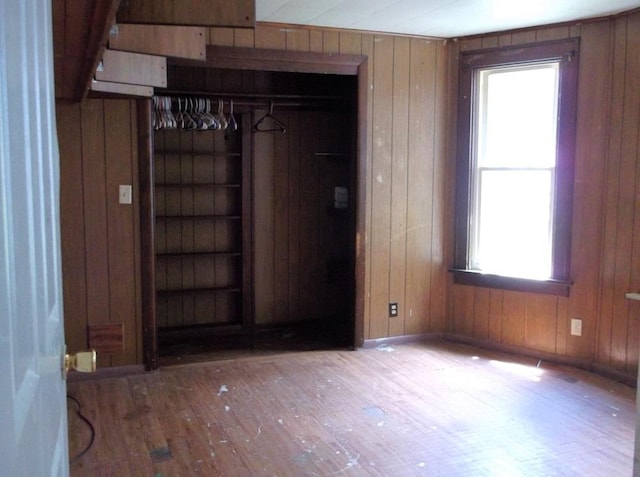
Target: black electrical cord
{"points": [[91, 428]]}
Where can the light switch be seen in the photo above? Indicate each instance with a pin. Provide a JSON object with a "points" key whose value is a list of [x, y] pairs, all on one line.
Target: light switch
{"points": [[125, 194]]}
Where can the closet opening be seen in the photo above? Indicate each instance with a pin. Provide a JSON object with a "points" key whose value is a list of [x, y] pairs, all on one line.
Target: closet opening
{"points": [[255, 183]]}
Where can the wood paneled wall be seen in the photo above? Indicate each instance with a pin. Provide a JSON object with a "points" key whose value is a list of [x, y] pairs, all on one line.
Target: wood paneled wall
{"points": [[303, 246], [405, 170], [409, 198], [100, 242], [405, 175], [619, 319], [605, 241]]}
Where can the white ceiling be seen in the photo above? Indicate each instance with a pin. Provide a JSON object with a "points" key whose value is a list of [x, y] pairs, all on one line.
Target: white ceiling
{"points": [[435, 18]]}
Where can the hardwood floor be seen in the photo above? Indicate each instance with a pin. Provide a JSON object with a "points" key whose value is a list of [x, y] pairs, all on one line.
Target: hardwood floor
{"points": [[417, 409]]}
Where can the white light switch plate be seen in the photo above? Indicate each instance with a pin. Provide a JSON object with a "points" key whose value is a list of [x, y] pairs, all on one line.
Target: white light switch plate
{"points": [[125, 194], [576, 327]]}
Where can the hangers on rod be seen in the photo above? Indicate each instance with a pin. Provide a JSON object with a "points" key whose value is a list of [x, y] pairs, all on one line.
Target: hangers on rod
{"points": [[277, 125]]}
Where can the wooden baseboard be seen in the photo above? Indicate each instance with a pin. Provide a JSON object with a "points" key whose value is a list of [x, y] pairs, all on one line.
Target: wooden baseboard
{"points": [[106, 373], [616, 374], [601, 369], [398, 340]]}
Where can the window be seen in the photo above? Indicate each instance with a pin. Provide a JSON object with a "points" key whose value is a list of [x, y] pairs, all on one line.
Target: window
{"points": [[516, 144]]}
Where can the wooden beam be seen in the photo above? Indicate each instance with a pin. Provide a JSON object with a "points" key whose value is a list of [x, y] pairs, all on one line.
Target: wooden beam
{"points": [[122, 89], [278, 60], [133, 68], [97, 30], [220, 13], [170, 41]]}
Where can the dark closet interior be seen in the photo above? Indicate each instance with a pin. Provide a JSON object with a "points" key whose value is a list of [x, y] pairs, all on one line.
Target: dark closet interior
{"points": [[255, 226]]}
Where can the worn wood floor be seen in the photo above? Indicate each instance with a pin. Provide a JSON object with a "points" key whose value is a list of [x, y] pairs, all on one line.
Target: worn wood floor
{"points": [[411, 410]]}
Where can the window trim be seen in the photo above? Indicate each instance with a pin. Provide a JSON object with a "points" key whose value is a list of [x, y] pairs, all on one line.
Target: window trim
{"points": [[567, 52]]}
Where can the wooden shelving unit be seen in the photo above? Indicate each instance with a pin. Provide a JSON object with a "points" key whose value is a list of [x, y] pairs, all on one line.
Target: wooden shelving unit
{"points": [[201, 251]]}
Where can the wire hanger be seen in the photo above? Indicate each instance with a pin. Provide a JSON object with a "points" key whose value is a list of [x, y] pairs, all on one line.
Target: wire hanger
{"points": [[278, 126]]}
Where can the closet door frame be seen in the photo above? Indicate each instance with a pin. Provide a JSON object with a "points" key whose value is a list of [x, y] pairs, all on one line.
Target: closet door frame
{"points": [[265, 60]]}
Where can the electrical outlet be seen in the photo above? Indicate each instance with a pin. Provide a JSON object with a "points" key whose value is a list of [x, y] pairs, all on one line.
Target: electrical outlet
{"points": [[576, 327], [393, 309]]}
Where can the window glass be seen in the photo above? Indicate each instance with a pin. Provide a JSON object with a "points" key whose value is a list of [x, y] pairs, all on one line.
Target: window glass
{"points": [[515, 157]]}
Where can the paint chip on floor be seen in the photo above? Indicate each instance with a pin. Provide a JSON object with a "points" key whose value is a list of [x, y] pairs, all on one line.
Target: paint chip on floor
{"points": [[223, 389], [387, 349]]}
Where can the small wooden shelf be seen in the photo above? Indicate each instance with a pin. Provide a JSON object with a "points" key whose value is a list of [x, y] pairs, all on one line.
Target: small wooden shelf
{"points": [[333, 156], [198, 217], [200, 184], [182, 291], [198, 254], [188, 155]]}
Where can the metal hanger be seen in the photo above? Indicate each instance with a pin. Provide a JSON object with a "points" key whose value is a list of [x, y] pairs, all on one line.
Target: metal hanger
{"points": [[278, 126]]}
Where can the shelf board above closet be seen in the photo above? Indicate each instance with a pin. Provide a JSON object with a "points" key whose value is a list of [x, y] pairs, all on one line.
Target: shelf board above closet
{"points": [[82, 31], [237, 13]]}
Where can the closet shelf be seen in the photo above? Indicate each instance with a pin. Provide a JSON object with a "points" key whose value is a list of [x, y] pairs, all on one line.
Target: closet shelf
{"points": [[182, 291], [333, 156], [233, 185], [198, 217], [197, 254], [180, 155]]}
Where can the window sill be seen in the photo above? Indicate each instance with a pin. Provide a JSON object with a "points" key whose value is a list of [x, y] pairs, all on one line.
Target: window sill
{"points": [[487, 280]]}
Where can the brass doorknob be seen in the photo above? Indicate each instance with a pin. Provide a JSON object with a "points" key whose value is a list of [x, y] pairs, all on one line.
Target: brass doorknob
{"points": [[83, 361]]}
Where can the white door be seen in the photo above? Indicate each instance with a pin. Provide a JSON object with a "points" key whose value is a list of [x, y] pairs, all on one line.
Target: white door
{"points": [[33, 419]]}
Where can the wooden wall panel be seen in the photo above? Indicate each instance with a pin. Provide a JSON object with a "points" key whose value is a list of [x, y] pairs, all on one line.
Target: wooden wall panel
{"points": [[311, 279], [441, 237], [605, 239], [619, 341], [610, 324], [121, 142], [282, 203], [95, 212], [297, 233], [406, 136], [422, 126], [98, 150], [240, 13], [263, 173], [411, 90], [366, 46], [381, 192], [399, 182], [593, 112], [297, 40], [296, 217], [72, 227]]}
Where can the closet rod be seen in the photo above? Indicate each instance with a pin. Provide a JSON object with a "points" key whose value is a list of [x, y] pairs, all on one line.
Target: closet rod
{"points": [[263, 96]]}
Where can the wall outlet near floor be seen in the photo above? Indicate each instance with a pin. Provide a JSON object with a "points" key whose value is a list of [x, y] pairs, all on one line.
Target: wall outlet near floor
{"points": [[576, 327], [393, 309]]}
